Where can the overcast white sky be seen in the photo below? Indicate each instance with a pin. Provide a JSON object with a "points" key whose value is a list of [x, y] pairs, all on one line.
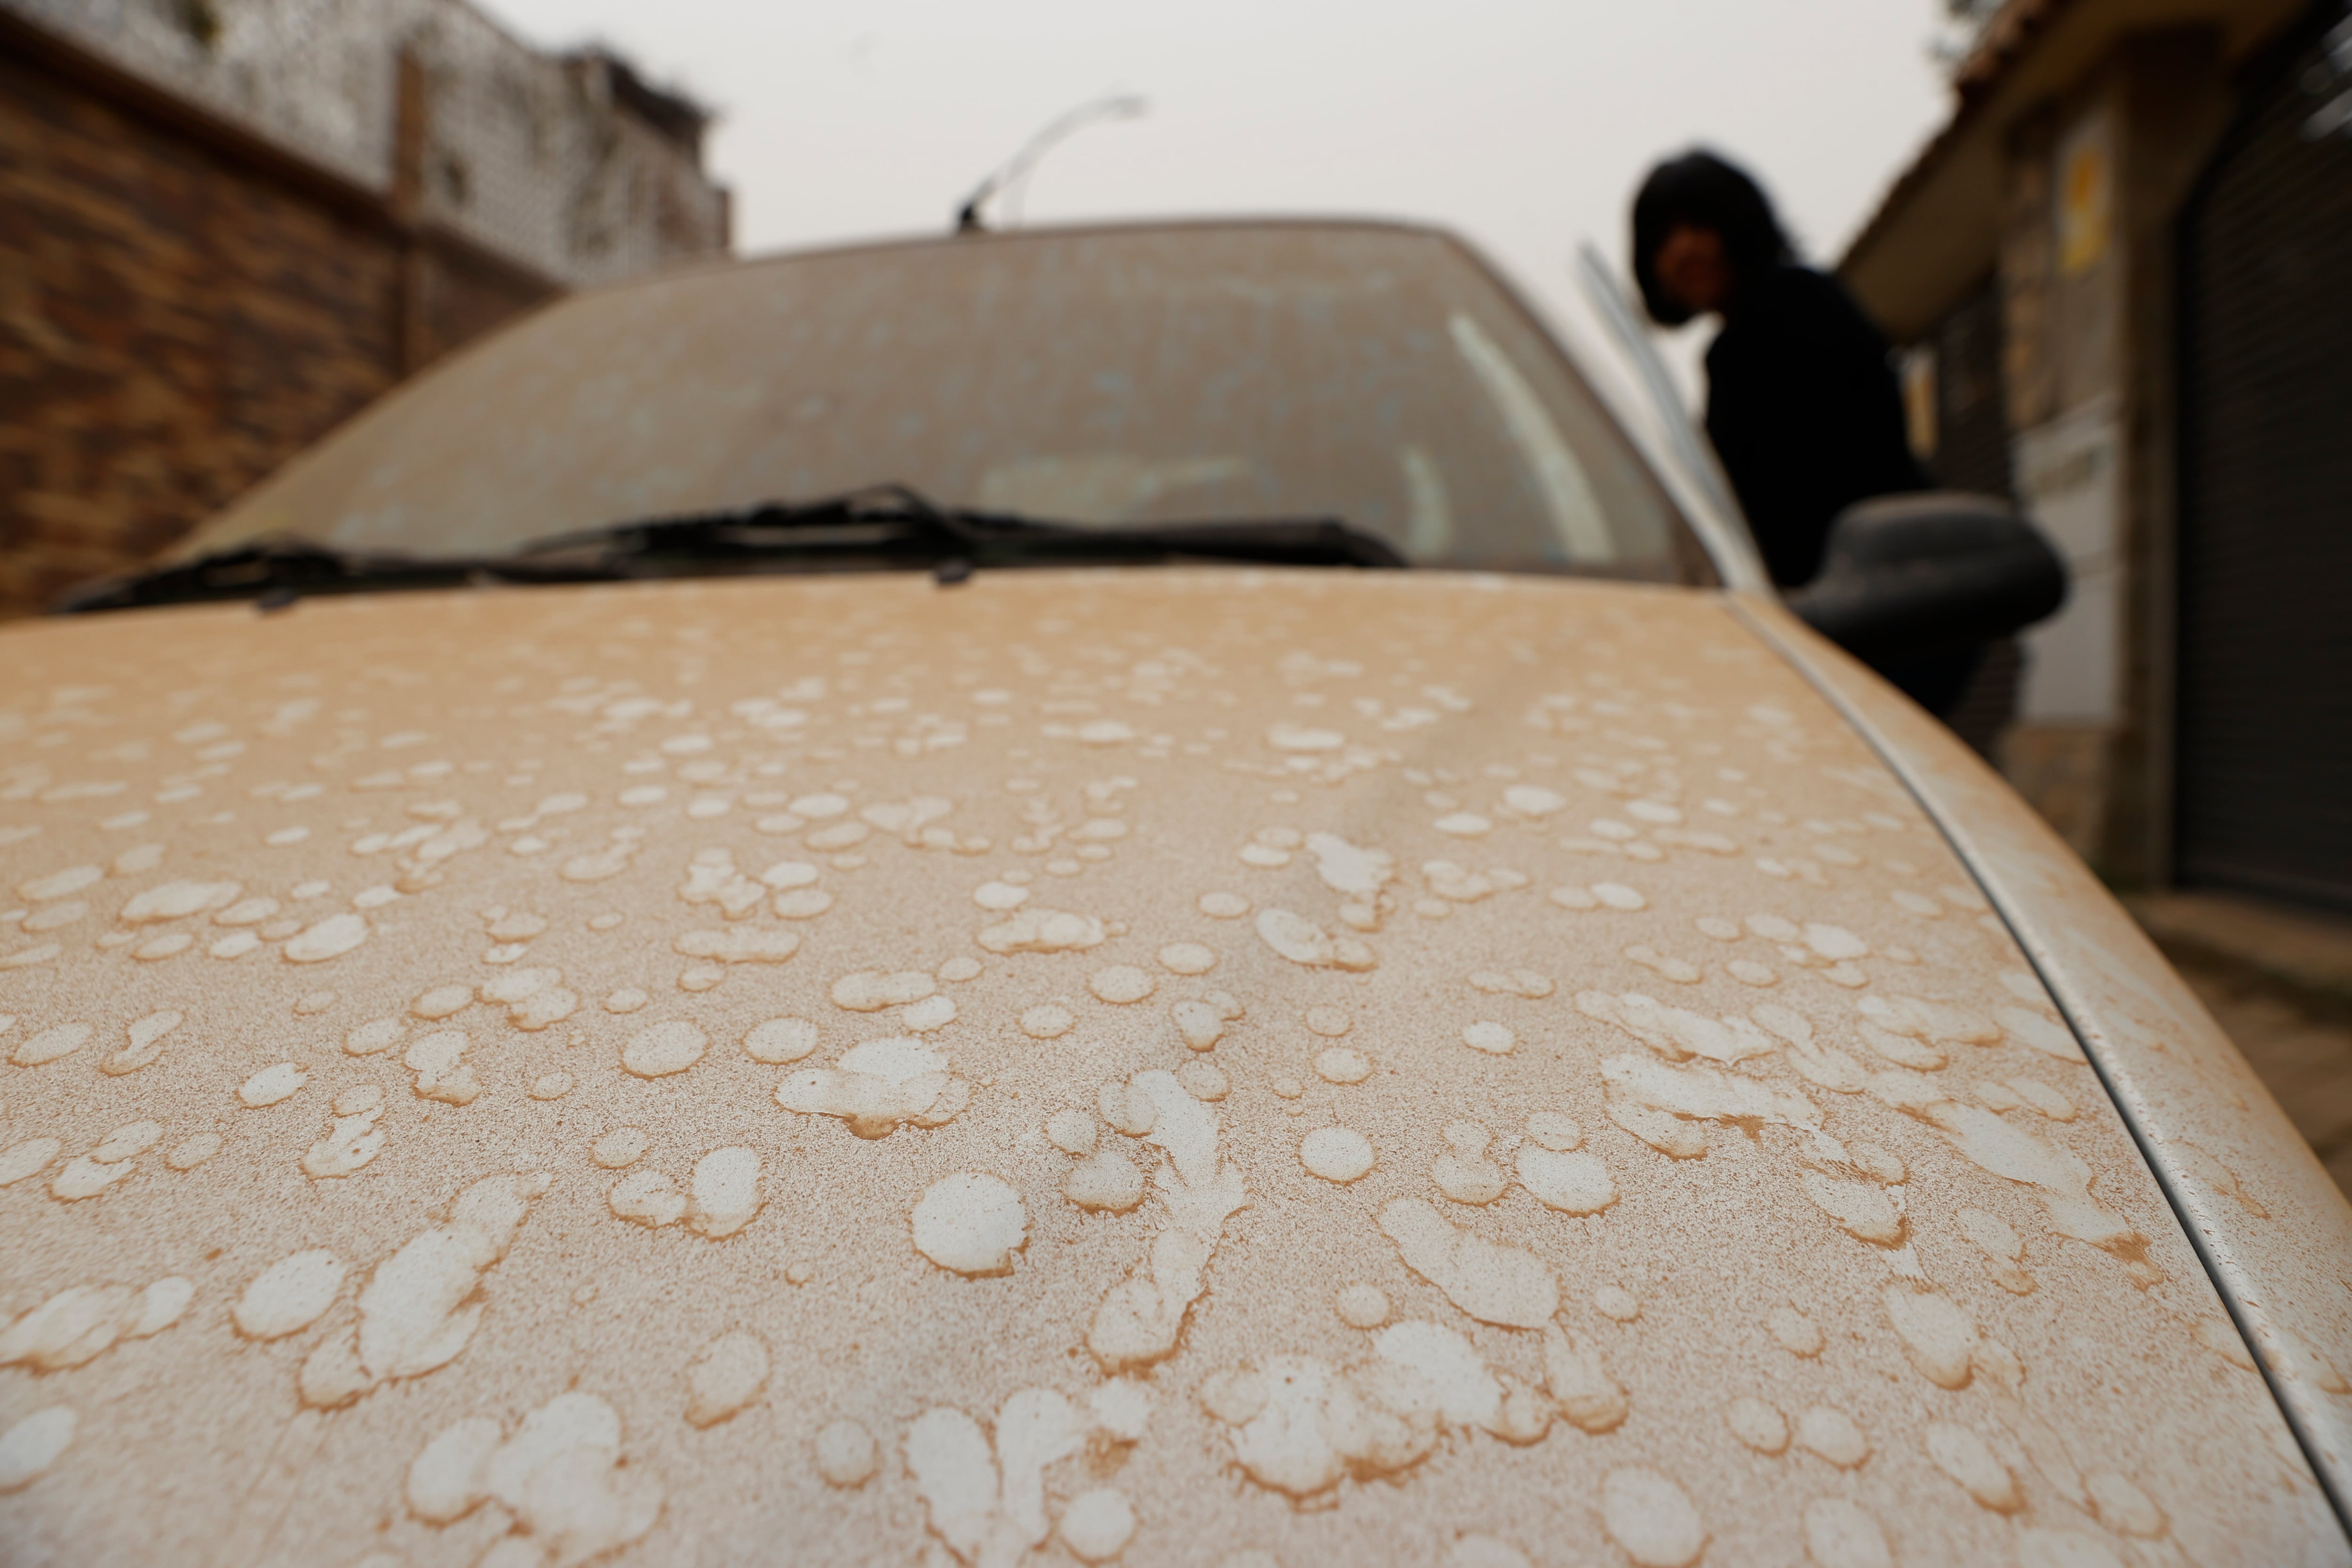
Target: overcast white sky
{"points": [[1524, 125]]}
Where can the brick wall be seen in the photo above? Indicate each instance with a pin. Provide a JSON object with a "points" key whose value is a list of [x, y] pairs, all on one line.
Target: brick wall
{"points": [[216, 246], [177, 320]]}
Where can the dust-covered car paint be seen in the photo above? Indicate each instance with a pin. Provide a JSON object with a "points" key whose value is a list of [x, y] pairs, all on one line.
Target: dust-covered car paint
{"points": [[1180, 1066], [2268, 1218]]}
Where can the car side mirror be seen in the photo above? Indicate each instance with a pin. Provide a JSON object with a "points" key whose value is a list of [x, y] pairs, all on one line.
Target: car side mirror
{"points": [[1918, 573]]}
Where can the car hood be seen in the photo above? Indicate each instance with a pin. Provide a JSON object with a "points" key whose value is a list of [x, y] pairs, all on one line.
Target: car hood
{"points": [[1351, 1066]]}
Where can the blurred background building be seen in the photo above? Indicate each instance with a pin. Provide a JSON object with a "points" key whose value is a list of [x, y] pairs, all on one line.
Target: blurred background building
{"points": [[229, 226], [2120, 276], [2120, 270]]}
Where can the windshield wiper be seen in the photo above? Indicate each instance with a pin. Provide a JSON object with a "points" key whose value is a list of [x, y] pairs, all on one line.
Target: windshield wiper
{"points": [[275, 572], [887, 527], [895, 526]]}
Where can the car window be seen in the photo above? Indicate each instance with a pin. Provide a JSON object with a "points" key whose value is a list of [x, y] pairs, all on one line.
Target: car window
{"points": [[1380, 376]]}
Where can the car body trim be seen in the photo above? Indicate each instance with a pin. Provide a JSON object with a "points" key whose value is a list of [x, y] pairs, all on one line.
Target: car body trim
{"points": [[2237, 1273]]}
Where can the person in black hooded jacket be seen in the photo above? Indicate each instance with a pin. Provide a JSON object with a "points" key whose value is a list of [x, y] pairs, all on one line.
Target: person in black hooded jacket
{"points": [[1802, 404]]}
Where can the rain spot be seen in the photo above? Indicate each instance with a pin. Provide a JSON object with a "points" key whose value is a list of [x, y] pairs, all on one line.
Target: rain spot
{"points": [[1204, 1081], [51, 1044], [846, 1454], [619, 1149], [60, 884], [1300, 1426], [1831, 1434], [1071, 1131], [76, 1326], [193, 1151], [1839, 1534], [290, 1295], [1201, 1024], [177, 900], [1336, 1154], [1970, 1463], [559, 1477], [29, 1447], [1341, 1065], [1105, 1180], [872, 990], [1677, 1033], [1121, 983], [1463, 1174], [442, 1002], [330, 938], [970, 1223], [2038, 1031], [780, 1040], [1794, 1332], [1494, 1040], [1362, 1305], [1047, 1022], [442, 1072], [986, 1501], [272, 1084], [1935, 1332], [1042, 931], [740, 944], [1757, 1425], [352, 1139], [878, 1085], [1570, 1183], [27, 1157], [649, 1198], [2003, 1250], [1097, 1525], [1345, 868], [420, 1308], [1524, 982], [534, 998], [725, 1193], [665, 1048], [1302, 941], [1651, 1518], [725, 1378], [1492, 1282], [2123, 1507], [1680, 971], [1139, 1321]]}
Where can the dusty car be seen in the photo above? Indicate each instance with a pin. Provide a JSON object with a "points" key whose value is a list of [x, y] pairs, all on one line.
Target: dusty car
{"points": [[841, 909]]}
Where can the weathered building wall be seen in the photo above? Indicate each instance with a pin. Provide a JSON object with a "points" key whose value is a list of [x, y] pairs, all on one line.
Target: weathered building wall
{"points": [[172, 327], [2094, 186], [202, 272], [566, 165]]}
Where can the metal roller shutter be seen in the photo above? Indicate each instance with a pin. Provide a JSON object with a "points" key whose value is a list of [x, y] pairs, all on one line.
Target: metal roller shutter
{"points": [[2264, 760]]}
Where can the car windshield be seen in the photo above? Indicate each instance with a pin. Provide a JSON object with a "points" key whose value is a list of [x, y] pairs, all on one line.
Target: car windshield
{"points": [[1375, 376]]}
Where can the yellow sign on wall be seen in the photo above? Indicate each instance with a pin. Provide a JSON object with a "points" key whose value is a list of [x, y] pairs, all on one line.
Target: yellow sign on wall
{"points": [[2086, 195]]}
